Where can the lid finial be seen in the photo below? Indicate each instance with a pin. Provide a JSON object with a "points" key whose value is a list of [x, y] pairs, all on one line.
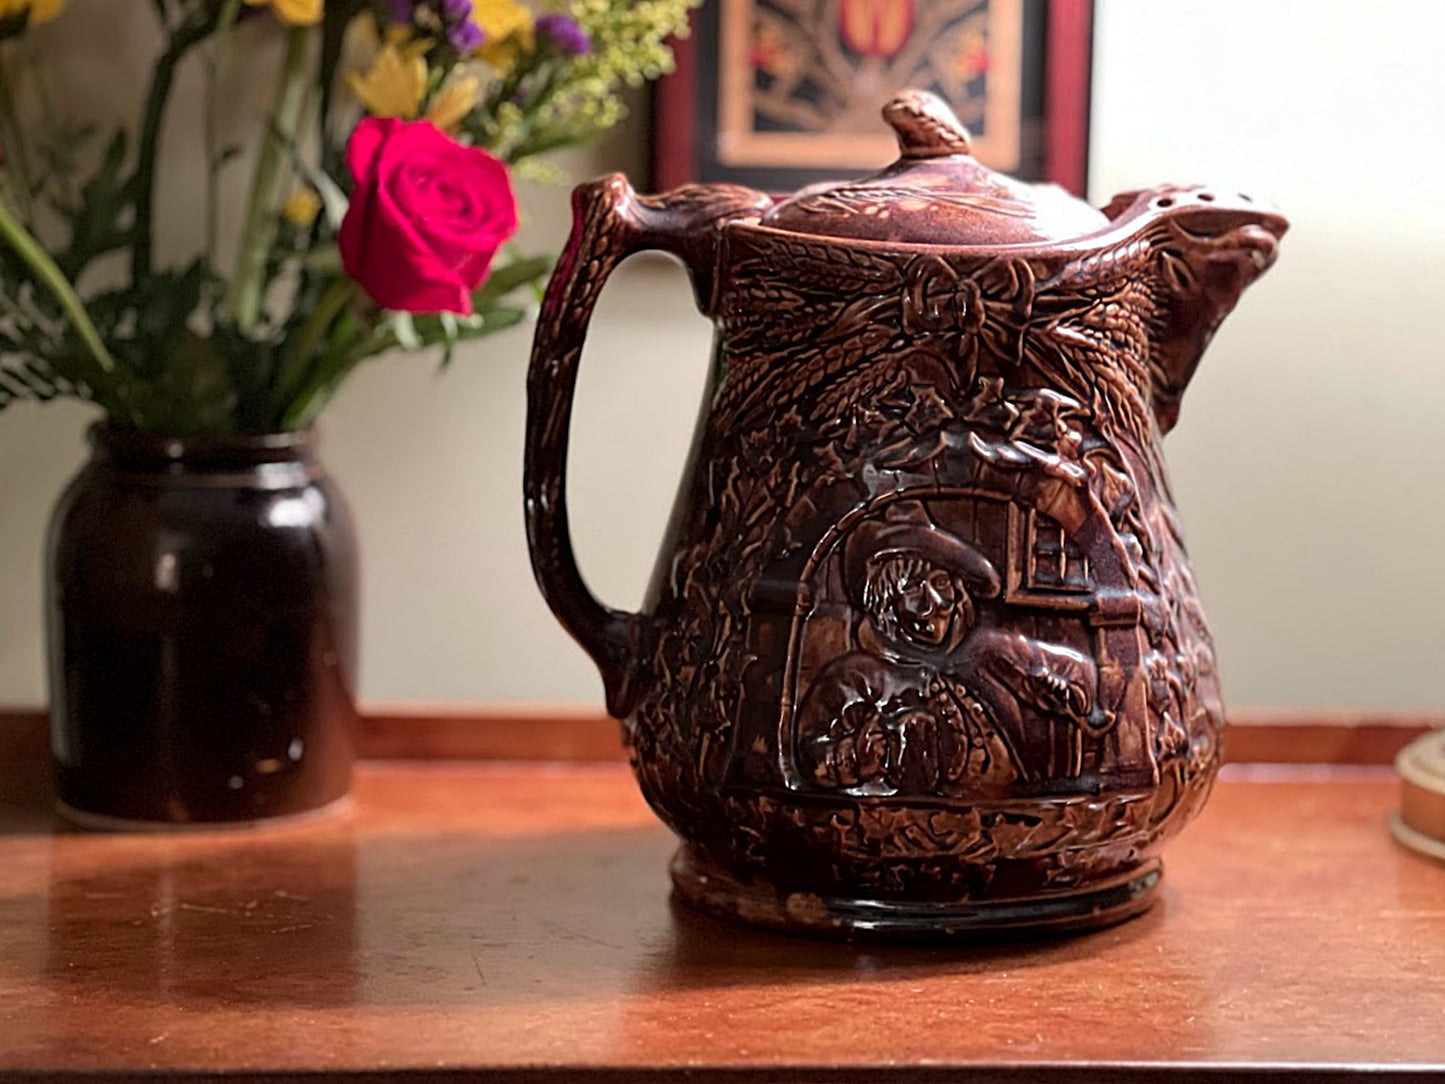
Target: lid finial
{"points": [[926, 126], [937, 193]]}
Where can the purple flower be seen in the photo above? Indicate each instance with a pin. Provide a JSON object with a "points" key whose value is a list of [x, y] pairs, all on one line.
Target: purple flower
{"points": [[565, 34], [465, 36], [454, 16]]}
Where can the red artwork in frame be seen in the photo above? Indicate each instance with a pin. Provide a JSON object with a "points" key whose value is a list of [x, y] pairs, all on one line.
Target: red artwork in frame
{"points": [[781, 93]]}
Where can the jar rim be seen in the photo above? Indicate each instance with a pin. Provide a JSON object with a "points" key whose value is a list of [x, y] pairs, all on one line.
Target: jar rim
{"points": [[201, 449]]}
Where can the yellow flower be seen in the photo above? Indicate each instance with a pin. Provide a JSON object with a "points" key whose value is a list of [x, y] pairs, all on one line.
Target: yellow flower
{"points": [[508, 27], [302, 207], [293, 12], [365, 37], [362, 38], [454, 102], [501, 19], [394, 86], [40, 11], [398, 34]]}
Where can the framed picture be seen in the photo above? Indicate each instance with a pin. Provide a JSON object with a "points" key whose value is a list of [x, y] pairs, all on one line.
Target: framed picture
{"points": [[781, 93]]}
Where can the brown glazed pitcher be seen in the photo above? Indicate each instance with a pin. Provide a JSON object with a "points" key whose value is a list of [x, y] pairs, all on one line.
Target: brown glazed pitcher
{"points": [[922, 653]]}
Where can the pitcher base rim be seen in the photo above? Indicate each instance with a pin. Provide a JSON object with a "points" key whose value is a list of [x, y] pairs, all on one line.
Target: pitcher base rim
{"points": [[713, 891]]}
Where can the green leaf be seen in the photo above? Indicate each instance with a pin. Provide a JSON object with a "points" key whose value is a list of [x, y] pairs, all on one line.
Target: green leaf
{"points": [[499, 319], [503, 280], [44, 272], [165, 302], [451, 331], [323, 260], [58, 149], [432, 327], [28, 378], [407, 336], [95, 227], [191, 393], [336, 17]]}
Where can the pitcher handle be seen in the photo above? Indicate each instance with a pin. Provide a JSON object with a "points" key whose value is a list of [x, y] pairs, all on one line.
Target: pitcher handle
{"points": [[610, 223]]}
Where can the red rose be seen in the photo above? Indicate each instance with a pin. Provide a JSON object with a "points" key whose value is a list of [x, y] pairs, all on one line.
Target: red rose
{"points": [[426, 217]]}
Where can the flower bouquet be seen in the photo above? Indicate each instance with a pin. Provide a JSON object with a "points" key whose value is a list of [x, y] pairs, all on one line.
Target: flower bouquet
{"points": [[201, 581], [379, 203]]}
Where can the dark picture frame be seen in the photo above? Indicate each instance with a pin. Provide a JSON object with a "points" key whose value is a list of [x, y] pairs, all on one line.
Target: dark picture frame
{"points": [[717, 119]]}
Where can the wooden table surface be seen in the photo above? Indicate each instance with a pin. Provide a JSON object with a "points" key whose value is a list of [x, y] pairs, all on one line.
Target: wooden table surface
{"points": [[516, 919]]}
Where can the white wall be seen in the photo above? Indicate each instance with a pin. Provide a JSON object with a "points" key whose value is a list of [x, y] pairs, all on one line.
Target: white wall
{"points": [[1311, 454], [1306, 463]]}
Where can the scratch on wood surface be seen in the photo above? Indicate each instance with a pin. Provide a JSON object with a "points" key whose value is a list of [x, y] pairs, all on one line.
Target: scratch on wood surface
{"points": [[207, 910], [567, 933]]}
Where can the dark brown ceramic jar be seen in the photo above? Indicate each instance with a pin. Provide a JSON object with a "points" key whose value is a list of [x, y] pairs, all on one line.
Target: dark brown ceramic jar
{"points": [[922, 653], [202, 598]]}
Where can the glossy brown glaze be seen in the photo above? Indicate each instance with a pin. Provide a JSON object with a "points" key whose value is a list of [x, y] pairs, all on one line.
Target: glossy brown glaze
{"points": [[202, 624], [936, 192], [570, 733], [922, 652], [574, 732], [514, 920]]}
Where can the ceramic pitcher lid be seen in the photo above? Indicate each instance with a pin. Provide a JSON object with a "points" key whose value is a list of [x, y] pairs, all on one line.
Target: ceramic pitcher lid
{"points": [[937, 193]]}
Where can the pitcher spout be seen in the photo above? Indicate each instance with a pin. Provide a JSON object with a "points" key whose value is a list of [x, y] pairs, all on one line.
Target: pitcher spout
{"points": [[1208, 246]]}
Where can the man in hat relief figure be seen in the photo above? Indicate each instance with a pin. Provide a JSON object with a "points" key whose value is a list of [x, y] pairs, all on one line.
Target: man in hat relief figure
{"points": [[929, 702]]}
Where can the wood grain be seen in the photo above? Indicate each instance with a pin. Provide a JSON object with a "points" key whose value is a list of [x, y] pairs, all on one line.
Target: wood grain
{"points": [[489, 733], [1321, 737], [513, 922]]}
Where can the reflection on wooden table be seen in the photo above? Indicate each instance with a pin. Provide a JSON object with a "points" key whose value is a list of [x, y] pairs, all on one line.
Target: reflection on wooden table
{"points": [[498, 916]]}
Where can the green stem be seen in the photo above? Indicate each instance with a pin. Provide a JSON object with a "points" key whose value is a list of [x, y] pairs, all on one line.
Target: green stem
{"points": [[51, 119], [503, 90], [506, 90], [328, 373], [183, 39], [220, 53], [337, 16], [380, 341], [24, 245], [311, 399], [249, 281], [520, 147], [293, 369], [19, 149]]}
